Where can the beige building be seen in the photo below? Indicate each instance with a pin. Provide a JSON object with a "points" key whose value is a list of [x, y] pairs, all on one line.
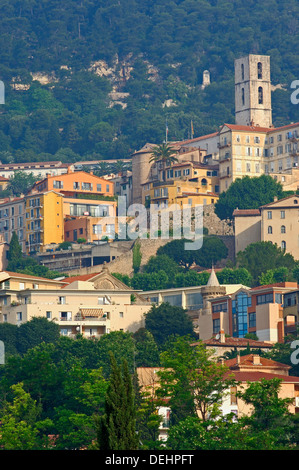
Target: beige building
{"points": [[12, 219], [276, 222], [37, 169], [90, 305]]}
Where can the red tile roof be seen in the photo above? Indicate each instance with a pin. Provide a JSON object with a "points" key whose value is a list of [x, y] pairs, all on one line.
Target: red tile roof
{"points": [[247, 361], [246, 212], [238, 342], [236, 127], [257, 376], [83, 277], [278, 284]]}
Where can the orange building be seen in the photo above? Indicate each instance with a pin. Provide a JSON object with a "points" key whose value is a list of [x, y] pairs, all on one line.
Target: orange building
{"points": [[92, 229], [76, 184]]}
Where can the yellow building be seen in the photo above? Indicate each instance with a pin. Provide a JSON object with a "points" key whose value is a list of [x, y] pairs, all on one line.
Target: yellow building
{"points": [[44, 222], [186, 183]]}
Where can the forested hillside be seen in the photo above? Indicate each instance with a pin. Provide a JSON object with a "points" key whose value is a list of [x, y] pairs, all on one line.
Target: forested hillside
{"points": [[60, 61]]}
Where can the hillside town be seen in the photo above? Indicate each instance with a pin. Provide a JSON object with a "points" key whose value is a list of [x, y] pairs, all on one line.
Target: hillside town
{"points": [[76, 224]]}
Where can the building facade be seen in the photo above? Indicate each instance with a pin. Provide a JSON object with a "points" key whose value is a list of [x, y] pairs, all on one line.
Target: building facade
{"points": [[90, 305], [276, 222], [258, 310]]}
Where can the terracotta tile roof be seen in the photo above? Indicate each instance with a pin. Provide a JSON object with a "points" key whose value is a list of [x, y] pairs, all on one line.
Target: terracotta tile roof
{"points": [[83, 277], [246, 212], [238, 342], [247, 361], [207, 136], [257, 376], [236, 127], [278, 284], [287, 126]]}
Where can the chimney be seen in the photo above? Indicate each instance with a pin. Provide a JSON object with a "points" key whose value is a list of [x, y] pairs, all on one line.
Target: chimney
{"points": [[275, 198], [256, 361]]}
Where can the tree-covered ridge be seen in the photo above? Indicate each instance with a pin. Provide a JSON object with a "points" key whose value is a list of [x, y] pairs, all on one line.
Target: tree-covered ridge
{"points": [[71, 117]]}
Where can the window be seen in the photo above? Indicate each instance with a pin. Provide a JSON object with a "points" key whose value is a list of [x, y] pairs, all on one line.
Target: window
{"points": [[221, 307], [264, 299], [86, 186], [19, 316], [242, 71], [252, 320], [57, 184], [21, 285], [283, 245], [233, 395], [49, 315], [283, 229], [65, 316], [269, 214], [61, 300], [243, 97], [99, 187], [278, 298], [270, 229], [260, 95], [107, 188], [216, 326], [282, 214], [259, 70]]}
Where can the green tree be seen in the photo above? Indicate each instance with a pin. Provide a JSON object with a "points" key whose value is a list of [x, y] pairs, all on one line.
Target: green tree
{"points": [[165, 321], [137, 256], [162, 263], [20, 183], [164, 154], [36, 331], [192, 380], [15, 250], [175, 250], [270, 418], [116, 430], [213, 249], [247, 193], [21, 427], [147, 352], [260, 257], [8, 334]]}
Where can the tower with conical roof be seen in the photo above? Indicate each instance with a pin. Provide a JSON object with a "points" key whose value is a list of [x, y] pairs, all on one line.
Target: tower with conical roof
{"points": [[210, 291]]}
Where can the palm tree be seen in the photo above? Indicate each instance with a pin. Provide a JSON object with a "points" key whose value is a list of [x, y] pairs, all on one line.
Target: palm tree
{"points": [[165, 154]]}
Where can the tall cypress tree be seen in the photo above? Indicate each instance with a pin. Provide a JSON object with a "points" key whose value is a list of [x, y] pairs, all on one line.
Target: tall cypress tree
{"points": [[15, 250], [116, 430]]}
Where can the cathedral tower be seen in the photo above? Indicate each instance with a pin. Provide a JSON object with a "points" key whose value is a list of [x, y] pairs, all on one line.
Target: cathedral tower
{"points": [[253, 91]]}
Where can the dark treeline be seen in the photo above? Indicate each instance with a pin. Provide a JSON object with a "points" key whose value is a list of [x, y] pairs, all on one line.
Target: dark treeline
{"points": [[70, 118]]}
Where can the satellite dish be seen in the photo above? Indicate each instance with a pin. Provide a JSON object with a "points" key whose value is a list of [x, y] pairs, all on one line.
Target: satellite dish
{"points": [[217, 336]]}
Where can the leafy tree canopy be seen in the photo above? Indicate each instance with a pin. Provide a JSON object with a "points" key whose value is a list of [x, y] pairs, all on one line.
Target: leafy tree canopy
{"points": [[247, 193]]}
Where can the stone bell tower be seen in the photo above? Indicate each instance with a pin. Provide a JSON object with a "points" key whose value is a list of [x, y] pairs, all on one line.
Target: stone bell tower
{"points": [[253, 91]]}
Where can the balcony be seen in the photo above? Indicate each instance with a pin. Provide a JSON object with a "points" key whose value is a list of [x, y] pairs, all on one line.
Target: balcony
{"points": [[224, 145]]}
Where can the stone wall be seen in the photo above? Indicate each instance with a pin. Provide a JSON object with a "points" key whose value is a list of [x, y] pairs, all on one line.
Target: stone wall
{"points": [[215, 225]]}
